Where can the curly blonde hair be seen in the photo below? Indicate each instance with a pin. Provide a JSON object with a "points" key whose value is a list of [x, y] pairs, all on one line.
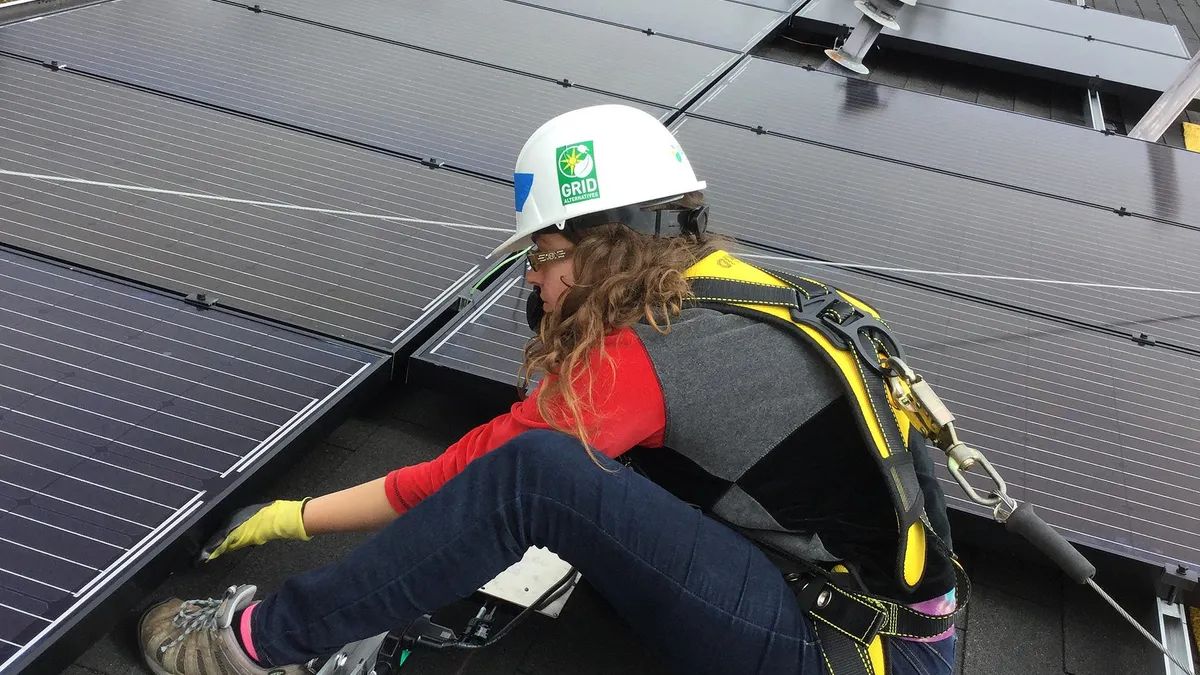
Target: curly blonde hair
{"points": [[621, 278]]}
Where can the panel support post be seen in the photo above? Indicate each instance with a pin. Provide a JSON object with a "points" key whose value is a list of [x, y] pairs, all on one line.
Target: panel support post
{"points": [[851, 53], [1174, 635], [1095, 110], [1170, 105], [1172, 586]]}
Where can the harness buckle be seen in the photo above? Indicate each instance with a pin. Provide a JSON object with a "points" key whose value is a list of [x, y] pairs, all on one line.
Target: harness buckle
{"points": [[850, 328], [826, 600]]}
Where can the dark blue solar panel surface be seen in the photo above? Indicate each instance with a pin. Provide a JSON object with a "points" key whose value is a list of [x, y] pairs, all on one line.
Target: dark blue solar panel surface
{"points": [[974, 141], [1098, 433], [486, 340], [122, 412], [845, 207], [404, 100], [550, 44], [366, 279], [719, 23]]}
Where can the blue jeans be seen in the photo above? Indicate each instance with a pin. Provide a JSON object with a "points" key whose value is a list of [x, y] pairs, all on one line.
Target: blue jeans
{"points": [[699, 593]]}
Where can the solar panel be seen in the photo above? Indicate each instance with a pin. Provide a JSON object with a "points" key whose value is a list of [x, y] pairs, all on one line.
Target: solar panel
{"points": [[1078, 21], [404, 100], [719, 23], [486, 340], [972, 141], [778, 5], [1044, 38], [551, 45], [1098, 433], [848, 208], [124, 413], [365, 279]]}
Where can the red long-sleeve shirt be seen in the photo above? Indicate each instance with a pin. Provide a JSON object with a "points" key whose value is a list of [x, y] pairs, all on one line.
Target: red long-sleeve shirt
{"points": [[627, 411]]}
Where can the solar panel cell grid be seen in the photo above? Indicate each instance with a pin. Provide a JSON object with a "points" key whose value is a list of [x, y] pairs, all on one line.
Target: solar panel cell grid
{"points": [[490, 339], [366, 279], [121, 410], [1074, 20], [549, 44], [972, 140], [847, 208], [719, 23], [405, 100]]}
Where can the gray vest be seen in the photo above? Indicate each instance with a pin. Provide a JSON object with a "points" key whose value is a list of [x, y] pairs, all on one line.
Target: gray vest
{"points": [[724, 422]]}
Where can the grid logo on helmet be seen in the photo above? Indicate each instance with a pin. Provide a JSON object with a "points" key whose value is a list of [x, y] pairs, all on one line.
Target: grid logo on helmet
{"points": [[577, 173]]}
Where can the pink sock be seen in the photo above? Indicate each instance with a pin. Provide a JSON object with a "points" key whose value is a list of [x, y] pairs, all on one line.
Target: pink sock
{"points": [[244, 633]]}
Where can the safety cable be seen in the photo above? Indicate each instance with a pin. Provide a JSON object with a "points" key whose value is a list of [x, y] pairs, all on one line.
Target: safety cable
{"points": [[251, 202], [932, 419], [1135, 624], [485, 228], [967, 275]]}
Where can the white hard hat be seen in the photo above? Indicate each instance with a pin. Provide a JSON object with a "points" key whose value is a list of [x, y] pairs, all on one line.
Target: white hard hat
{"points": [[597, 160]]}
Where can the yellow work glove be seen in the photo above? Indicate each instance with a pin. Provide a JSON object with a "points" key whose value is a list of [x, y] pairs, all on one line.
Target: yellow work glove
{"points": [[258, 524]]}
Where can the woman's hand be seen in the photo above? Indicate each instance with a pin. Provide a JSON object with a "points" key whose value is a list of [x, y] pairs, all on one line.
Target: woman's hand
{"points": [[256, 525], [361, 508]]}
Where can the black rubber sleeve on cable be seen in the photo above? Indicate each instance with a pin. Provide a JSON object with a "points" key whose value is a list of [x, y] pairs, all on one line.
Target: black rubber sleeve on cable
{"points": [[1027, 523]]}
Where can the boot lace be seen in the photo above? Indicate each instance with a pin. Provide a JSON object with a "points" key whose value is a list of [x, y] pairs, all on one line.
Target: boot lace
{"points": [[192, 616]]}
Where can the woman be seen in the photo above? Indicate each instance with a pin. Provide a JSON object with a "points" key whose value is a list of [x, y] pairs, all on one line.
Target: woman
{"points": [[749, 435]]}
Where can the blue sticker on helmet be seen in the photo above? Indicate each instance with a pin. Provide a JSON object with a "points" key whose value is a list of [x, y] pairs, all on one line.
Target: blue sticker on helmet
{"points": [[522, 185]]}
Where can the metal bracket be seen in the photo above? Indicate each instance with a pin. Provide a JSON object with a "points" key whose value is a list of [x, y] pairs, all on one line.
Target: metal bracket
{"points": [[1095, 110], [853, 50], [1175, 583], [1173, 630], [1170, 105], [1144, 340], [356, 658], [200, 299], [882, 12]]}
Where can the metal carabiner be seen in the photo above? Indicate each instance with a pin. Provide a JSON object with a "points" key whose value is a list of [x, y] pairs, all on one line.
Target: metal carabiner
{"points": [[961, 458], [935, 421]]}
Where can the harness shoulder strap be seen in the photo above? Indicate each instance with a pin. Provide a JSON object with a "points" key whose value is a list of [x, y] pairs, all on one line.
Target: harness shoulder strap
{"points": [[851, 336], [848, 620]]}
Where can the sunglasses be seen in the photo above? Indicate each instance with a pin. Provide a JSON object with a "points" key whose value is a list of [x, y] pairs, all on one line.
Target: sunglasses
{"points": [[538, 258]]}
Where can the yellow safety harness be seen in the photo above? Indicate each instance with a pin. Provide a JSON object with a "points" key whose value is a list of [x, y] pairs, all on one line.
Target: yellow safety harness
{"points": [[890, 401]]}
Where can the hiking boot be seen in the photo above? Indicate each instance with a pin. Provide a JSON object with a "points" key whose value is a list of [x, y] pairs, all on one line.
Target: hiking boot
{"points": [[194, 637]]}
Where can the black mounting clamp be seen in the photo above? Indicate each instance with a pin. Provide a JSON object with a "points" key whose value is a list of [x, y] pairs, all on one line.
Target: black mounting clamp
{"points": [[1175, 582], [1144, 340], [201, 300]]}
